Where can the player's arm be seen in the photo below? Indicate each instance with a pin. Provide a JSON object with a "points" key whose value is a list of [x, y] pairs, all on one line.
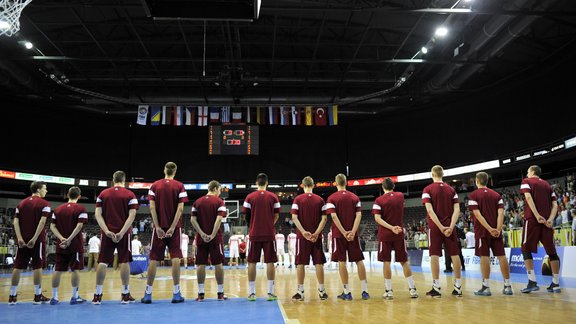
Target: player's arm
{"points": [[16, 224], [216, 226], [357, 220], [127, 223], [299, 226], [39, 228], [159, 231], [276, 216], [482, 219], [532, 206], [194, 222], [383, 223], [336, 222], [56, 232], [455, 215], [434, 217], [102, 223], [177, 216], [552, 213], [321, 226], [500, 220]]}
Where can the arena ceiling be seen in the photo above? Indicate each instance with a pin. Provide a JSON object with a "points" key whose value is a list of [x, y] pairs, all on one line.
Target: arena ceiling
{"points": [[366, 56]]}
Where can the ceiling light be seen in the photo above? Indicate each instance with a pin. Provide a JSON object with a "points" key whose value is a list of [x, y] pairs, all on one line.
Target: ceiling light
{"points": [[216, 83], [255, 83], [441, 31], [424, 50], [28, 45], [4, 24]]}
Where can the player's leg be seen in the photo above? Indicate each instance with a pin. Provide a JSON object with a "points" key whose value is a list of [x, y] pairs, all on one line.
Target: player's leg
{"points": [[105, 258], [435, 241], [201, 275], [270, 258], [38, 260], [217, 258], [547, 238], [482, 250], [339, 255], [303, 258], [402, 258], [253, 258], [91, 261], [530, 238], [356, 256], [157, 249], [55, 284], [453, 246], [174, 247], [20, 263], [124, 257]]}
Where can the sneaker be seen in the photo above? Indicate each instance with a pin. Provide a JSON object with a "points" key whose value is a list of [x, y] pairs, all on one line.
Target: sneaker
{"points": [[177, 298], [12, 300], [434, 293], [221, 296], [290, 267], [532, 286], [507, 290], [54, 301], [97, 300], [413, 293], [127, 299], [252, 297], [345, 296], [484, 291], [76, 301], [272, 297], [147, 299], [298, 297], [200, 297], [389, 294], [40, 299], [365, 295], [555, 288], [322, 295], [448, 270], [457, 291]]}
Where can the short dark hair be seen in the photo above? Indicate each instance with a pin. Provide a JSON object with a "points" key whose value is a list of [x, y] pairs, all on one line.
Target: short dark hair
{"points": [[213, 185], [261, 179], [74, 192], [341, 179], [36, 185], [482, 178], [308, 182], [119, 176], [388, 184], [536, 169], [170, 168]]}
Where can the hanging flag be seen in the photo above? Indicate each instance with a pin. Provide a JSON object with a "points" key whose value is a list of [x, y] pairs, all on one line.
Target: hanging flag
{"points": [[236, 115], [295, 116], [284, 116], [273, 115], [203, 116], [260, 115], [333, 115], [142, 115], [249, 119], [320, 117], [225, 115], [214, 115], [164, 114], [178, 116], [156, 116], [190, 116], [308, 116], [169, 115]]}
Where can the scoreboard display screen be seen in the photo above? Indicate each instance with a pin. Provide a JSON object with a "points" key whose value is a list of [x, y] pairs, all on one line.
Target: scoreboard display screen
{"points": [[233, 140]]}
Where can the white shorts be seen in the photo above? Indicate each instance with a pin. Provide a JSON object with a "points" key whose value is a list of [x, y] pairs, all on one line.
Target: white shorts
{"points": [[184, 253], [280, 250], [292, 250], [234, 253]]}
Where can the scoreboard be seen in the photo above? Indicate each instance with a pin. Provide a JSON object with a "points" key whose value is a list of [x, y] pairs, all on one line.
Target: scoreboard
{"points": [[233, 140]]}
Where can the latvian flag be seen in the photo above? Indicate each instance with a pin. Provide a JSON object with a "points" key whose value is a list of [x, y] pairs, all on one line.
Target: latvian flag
{"points": [[272, 116], [156, 116], [214, 115], [178, 116], [296, 120], [203, 116], [236, 115], [190, 116], [225, 115], [284, 116]]}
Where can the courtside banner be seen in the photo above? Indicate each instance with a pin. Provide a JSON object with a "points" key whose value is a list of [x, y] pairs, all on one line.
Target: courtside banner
{"points": [[540, 258], [7, 174]]}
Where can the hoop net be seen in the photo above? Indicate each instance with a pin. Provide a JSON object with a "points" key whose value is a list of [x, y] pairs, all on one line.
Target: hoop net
{"points": [[10, 11]]}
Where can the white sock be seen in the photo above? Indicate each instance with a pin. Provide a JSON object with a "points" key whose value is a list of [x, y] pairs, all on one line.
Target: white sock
{"points": [[200, 288], [55, 293], [388, 284], [411, 284], [486, 283], [176, 288], [321, 287], [74, 292], [13, 290], [507, 282], [458, 282], [301, 289], [220, 288], [531, 275], [556, 278], [364, 285], [270, 286], [252, 287], [125, 289], [148, 290], [346, 288], [98, 289], [37, 290], [436, 283]]}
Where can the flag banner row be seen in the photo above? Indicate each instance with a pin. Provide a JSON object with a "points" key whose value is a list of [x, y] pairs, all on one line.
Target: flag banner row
{"points": [[225, 115]]}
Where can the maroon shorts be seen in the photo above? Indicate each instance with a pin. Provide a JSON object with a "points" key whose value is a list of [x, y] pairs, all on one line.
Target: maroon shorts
{"points": [[255, 248], [385, 251], [69, 260], [37, 254], [159, 246], [485, 244], [306, 250], [341, 245], [212, 251], [107, 247], [437, 238], [534, 232]]}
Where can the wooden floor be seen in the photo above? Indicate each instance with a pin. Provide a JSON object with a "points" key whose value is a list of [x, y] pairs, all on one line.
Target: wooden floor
{"points": [[536, 307]]}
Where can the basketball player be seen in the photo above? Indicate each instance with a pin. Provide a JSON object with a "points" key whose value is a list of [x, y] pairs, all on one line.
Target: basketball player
{"points": [[388, 211], [344, 207], [184, 247], [309, 215], [207, 214], [115, 211], [262, 210], [441, 201], [167, 197], [488, 209], [29, 222], [292, 237], [67, 222], [233, 242], [538, 222], [280, 239]]}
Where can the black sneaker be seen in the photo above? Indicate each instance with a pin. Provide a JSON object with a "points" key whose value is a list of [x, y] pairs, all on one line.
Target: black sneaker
{"points": [[322, 295], [200, 297], [457, 291], [448, 270], [553, 288], [532, 286], [298, 297], [434, 293]]}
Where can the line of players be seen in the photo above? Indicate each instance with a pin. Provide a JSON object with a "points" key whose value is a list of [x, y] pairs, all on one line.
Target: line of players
{"points": [[116, 209]]}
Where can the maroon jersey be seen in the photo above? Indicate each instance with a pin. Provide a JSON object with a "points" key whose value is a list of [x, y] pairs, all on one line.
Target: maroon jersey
{"points": [[487, 201], [442, 197], [207, 209], [309, 207], [116, 202], [262, 205], [345, 204], [542, 194], [29, 212], [167, 194], [391, 207], [66, 217]]}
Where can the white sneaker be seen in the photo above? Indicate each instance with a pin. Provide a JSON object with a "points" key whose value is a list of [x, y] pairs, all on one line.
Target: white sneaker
{"points": [[413, 293], [389, 294]]}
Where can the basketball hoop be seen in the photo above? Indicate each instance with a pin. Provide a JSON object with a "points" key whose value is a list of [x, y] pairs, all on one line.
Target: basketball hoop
{"points": [[10, 11]]}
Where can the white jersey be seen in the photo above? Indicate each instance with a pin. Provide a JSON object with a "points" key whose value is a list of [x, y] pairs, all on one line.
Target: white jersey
{"points": [[292, 240], [470, 241], [280, 239], [94, 244], [136, 247], [184, 241], [233, 242]]}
